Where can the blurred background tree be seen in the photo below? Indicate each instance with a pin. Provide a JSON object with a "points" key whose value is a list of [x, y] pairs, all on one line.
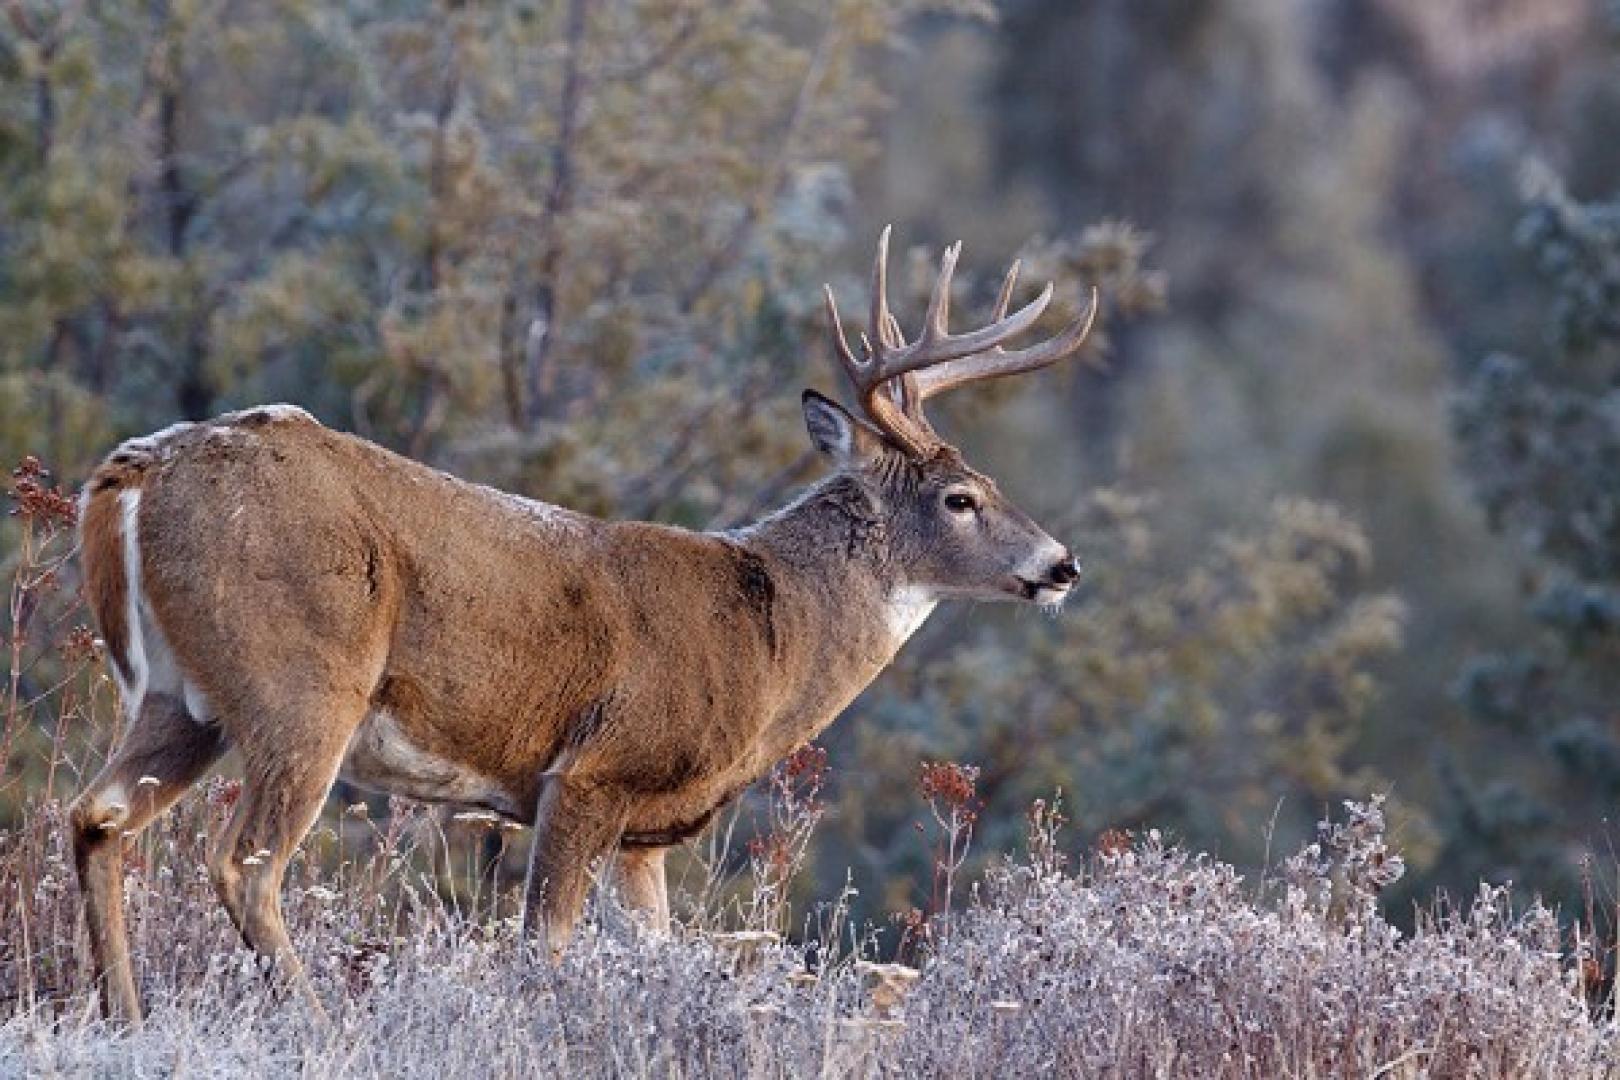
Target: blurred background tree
{"points": [[1543, 444], [575, 247]]}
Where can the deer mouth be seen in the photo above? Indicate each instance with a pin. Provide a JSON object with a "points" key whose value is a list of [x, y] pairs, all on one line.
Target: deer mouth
{"points": [[1044, 593]]}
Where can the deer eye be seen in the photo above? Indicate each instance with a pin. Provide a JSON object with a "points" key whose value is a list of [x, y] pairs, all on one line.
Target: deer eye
{"points": [[958, 503]]}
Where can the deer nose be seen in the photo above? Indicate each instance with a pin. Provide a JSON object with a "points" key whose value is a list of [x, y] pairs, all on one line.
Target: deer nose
{"points": [[1066, 570]]}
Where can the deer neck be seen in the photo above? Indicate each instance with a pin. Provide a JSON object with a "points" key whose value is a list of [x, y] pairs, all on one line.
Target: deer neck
{"points": [[831, 558], [836, 551]]}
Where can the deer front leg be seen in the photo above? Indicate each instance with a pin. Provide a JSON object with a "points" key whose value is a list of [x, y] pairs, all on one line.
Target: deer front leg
{"points": [[578, 821], [643, 886]]}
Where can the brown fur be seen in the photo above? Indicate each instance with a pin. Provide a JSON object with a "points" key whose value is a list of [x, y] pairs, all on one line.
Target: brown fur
{"points": [[101, 541], [337, 606]]}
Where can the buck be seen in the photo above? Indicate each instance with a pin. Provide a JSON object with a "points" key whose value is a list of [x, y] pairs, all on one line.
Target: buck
{"points": [[329, 609]]}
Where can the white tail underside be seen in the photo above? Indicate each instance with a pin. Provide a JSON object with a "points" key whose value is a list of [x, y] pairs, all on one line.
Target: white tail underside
{"points": [[152, 666]]}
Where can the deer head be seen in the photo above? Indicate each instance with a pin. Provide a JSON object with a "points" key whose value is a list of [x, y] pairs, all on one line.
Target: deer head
{"points": [[951, 532]]}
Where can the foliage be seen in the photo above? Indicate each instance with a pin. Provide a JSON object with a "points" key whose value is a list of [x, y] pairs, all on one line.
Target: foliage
{"points": [[53, 681], [1543, 440], [1333, 186], [425, 218]]}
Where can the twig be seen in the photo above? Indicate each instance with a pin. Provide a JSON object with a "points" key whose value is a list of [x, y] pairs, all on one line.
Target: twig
{"points": [[14, 689]]}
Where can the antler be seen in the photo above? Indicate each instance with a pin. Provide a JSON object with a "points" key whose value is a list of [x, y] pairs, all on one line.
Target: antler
{"points": [[894, 377]]}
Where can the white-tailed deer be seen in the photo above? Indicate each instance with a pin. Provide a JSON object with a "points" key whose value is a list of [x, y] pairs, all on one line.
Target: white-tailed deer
{"points": [[330, 609]]}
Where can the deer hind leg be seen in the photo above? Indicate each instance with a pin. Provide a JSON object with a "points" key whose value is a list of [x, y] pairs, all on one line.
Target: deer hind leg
{"points": [[162, 754], [578, 822], [283, 789], [643, 886]]}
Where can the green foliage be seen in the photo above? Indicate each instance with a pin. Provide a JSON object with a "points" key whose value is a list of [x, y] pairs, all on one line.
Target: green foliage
{"points": [[1332, 189], [428, 219], [1543, 436]]}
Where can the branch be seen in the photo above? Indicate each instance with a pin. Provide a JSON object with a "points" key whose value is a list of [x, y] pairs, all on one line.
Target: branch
{"points": [[659, 56], [436, 394], [559, 201], [49, 44], [510, 362], [775, 176], [731, 515]]}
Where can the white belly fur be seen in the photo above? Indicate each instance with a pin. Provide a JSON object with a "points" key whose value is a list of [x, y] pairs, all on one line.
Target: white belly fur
{"points": [[381, 758]]}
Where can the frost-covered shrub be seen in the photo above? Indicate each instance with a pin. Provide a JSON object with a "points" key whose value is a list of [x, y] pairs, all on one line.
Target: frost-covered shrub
{"points": [[1148, 960], [1158, 961]]}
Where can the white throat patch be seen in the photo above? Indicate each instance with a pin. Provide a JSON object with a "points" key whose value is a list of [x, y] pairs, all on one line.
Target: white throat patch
{"points": [[909, 606]]}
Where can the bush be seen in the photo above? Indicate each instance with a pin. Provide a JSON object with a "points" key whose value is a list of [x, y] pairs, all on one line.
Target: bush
{"points": [[1148, 960]]}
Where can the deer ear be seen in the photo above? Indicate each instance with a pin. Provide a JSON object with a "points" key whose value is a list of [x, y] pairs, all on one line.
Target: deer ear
{"points": [[843, 438]]}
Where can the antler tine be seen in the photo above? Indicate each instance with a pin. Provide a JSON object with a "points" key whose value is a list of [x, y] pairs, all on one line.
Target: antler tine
{"points": [[893, 335], [1004, 297], [853, 367], [892, 356], [936, 324], [880, 318], [998, 362], [890, 410], [936, 347]]}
